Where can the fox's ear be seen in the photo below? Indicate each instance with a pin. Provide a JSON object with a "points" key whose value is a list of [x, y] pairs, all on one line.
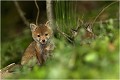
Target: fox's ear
{"points": [[33, 27], [47, 24]]}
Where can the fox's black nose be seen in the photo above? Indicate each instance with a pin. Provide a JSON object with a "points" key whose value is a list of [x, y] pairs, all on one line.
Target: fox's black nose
{"points": [[43, 40]]}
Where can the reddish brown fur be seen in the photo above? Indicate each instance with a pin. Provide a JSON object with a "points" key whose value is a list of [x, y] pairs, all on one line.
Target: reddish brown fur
{"points": [[34, 49], [41, 30]]}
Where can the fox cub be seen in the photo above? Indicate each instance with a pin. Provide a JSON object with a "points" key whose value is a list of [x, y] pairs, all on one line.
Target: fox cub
{"points": [[40, 49]]}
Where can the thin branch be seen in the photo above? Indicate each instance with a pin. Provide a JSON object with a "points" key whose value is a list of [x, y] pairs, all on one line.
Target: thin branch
{"points": [[37, 12], [80, 23], [75, 31], [101, 12], [7, 67], [64, 34], [21, 13]]}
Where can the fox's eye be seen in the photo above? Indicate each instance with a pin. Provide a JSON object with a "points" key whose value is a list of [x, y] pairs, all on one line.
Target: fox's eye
{"points": [[38, 35], [46, 34]]}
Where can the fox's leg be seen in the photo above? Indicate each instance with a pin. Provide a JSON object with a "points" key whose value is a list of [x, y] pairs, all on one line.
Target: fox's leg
{"points": [[41, 61], [29, 61]]}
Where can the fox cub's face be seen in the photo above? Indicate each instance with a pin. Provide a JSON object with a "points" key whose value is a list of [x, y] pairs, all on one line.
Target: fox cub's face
{"points": [[41, 33]]}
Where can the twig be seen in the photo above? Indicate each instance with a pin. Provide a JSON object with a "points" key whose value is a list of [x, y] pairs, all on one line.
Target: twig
{"points": [[80, 23], [75, 31], [37, 12], [101, 12], [7, 67], [64, 34], [21, 13]]}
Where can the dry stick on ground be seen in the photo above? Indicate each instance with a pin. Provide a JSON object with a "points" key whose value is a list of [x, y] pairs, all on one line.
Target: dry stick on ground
{"points": [[64, 34], [7, 67], [21, 13], [5, 71], [74, 32], [37, 13]]}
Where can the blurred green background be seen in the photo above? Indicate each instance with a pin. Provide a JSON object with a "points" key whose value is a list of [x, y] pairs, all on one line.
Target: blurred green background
{"points": [[89, 58]]}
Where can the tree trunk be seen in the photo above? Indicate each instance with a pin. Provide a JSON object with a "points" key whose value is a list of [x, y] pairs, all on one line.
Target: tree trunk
{"points": [[50, 13]]}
